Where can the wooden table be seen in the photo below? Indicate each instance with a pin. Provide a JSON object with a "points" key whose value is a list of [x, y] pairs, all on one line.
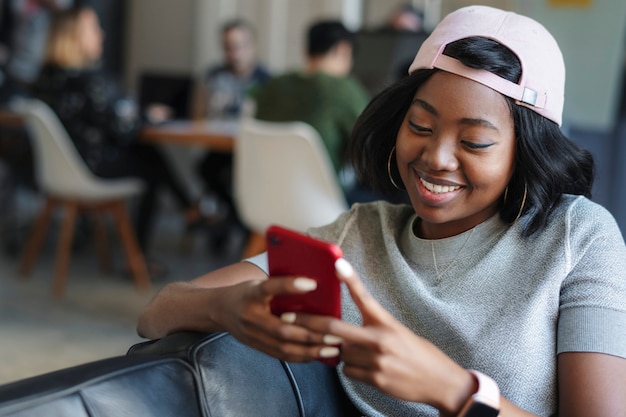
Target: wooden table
{"points": [[216, 135], [11, 119]]}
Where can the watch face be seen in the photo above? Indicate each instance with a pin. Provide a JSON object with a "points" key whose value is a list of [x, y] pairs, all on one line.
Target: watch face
{"points": [[481, 410]]}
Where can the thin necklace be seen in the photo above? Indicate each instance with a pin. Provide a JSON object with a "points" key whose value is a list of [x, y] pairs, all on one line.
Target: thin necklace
{"points": [[432, 246]]}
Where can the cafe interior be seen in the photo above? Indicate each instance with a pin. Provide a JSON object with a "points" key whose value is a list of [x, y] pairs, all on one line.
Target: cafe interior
{"points": [[56, 313]]}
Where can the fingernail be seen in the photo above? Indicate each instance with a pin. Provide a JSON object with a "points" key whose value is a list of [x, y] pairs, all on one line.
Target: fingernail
{"points": [[343, 268], [305, 284], [288, 317], [329, 352], [330, 339]]}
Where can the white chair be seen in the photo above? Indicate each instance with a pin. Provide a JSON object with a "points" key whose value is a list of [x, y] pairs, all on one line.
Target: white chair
{"points": [[66, 181], [283, 175]]}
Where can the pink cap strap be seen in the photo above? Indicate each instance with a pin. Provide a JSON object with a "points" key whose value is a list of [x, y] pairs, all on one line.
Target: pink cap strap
{"points": [[501, 85]]}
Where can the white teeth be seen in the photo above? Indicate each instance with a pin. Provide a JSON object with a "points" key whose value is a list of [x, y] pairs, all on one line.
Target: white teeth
{"points": [[439, 189]]}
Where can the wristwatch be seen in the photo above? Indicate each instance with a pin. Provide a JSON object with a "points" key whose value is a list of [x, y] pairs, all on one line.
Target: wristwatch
{"points": [[486, 401]]}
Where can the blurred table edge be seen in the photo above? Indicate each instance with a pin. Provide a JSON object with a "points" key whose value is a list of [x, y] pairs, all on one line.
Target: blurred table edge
{"points": [[9, 118], [216, 135]]}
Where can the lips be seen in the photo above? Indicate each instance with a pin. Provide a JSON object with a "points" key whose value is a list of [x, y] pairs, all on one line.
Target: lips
{"points": [[436, 191]]}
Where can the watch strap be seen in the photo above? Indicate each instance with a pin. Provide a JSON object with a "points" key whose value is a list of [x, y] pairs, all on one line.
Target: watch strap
{"points": [[485, 402]]}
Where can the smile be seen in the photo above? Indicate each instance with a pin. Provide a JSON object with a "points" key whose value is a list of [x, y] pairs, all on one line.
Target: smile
{"points": [[438, 189]]}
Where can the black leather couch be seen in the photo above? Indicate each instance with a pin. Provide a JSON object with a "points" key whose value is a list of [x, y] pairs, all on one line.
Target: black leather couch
{"points": [[185, 374]]}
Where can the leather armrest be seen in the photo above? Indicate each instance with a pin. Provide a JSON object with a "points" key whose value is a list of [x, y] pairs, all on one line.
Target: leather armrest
{"points": [[135, 386], [177, 345], [238, 380]]}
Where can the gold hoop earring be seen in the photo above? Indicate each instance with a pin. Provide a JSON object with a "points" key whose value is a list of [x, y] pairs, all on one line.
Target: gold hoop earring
{"points": [[506, 193], [519, 214], [389, 170]]}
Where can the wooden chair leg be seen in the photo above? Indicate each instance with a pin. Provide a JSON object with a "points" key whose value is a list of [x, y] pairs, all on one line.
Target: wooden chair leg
{"points": [[64, 248], [102, 242], [134, 255], [254, 246], [37, 235]]}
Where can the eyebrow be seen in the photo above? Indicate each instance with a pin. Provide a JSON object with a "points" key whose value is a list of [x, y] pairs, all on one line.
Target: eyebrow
{"points": [[466, 120], [430, 109]]}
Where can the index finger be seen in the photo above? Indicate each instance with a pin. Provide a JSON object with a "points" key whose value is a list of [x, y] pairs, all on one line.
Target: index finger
{"points": [[287, 285]]}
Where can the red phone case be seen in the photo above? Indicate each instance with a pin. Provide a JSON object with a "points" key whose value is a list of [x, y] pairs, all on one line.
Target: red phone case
{"points": [[293, 253]]}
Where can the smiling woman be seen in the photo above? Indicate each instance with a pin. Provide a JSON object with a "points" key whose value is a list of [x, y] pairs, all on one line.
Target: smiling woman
{"points": [[455, 153], [497, 291]]}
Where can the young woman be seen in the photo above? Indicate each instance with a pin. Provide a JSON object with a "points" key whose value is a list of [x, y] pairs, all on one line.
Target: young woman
{"points": [[103, 124], [501, 290]]}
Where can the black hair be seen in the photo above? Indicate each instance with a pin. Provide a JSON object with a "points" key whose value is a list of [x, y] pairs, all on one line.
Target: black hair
{"points": [[324, 35], [547, 163]]}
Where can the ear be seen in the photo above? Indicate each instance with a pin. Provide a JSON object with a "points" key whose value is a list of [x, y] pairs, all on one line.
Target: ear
{"points": [[343, 48]]}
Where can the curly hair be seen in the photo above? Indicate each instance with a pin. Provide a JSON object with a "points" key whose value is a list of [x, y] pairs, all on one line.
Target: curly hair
{"points": [[547, 165]]}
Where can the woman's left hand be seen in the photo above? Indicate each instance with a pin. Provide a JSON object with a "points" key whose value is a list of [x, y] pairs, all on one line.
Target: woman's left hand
{"points": [[386, 354]]}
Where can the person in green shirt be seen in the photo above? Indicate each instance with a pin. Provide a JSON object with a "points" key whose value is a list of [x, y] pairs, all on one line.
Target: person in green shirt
{"points": [[322, 94]]}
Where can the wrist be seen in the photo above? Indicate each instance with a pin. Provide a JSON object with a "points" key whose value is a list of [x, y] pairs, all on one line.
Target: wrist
{"points": [[214, 311], [484, 401], [457, 395]]}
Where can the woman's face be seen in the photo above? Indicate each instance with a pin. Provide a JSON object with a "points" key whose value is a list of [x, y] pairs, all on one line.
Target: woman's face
{"points": [[91, 35], [455, 152]]}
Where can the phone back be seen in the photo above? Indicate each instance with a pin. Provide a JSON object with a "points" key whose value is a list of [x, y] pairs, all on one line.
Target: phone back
{"points": [[293, 253]]}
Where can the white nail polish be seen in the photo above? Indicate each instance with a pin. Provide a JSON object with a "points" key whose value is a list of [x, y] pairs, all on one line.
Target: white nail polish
{"points": [[329, 352], [305, 284], [343, 268], [288, 317], [330, 339]]}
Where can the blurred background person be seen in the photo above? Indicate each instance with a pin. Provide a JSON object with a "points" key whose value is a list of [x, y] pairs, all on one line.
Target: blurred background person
{"points": [[221, 96], [24, 30], [222, 91], [406, 17], [322, 94], [103, 123], [406, 20]]}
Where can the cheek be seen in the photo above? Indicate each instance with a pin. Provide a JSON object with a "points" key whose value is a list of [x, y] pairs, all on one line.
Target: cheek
{"points": [[407, 148], [491, 175]]}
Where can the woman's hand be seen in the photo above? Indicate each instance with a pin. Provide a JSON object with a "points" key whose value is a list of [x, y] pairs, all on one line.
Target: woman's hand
{"points": [[387, 355], [158, 112], [236, 299], [244, 311]]}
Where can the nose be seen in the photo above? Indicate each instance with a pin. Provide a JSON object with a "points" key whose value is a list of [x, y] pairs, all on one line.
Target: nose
{"points": [[440, 154]]}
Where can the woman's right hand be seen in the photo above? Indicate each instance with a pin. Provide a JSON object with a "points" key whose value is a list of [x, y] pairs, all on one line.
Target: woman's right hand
{"points": [[236, 299], [244, 311]]}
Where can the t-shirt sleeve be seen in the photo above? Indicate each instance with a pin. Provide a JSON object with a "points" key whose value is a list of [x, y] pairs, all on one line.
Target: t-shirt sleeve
{"points": [[593, 296], [331, 232], [260, 261]]}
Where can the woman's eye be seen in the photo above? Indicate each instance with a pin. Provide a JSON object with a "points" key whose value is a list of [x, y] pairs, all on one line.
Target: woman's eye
{"points": [[418, 128], [474, 145]]}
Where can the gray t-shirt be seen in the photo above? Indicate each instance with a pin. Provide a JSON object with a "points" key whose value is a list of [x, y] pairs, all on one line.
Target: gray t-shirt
{"points": [[503, 304]]}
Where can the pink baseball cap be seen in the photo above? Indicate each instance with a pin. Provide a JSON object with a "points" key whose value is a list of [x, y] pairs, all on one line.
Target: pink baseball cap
{"points": [[542, 83]]}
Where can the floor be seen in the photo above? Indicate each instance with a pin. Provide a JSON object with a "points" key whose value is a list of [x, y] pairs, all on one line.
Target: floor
{"points": [[97, 317]]}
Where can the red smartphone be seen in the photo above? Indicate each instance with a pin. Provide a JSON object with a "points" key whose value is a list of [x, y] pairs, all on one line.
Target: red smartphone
{"points": [[293, 253]]}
